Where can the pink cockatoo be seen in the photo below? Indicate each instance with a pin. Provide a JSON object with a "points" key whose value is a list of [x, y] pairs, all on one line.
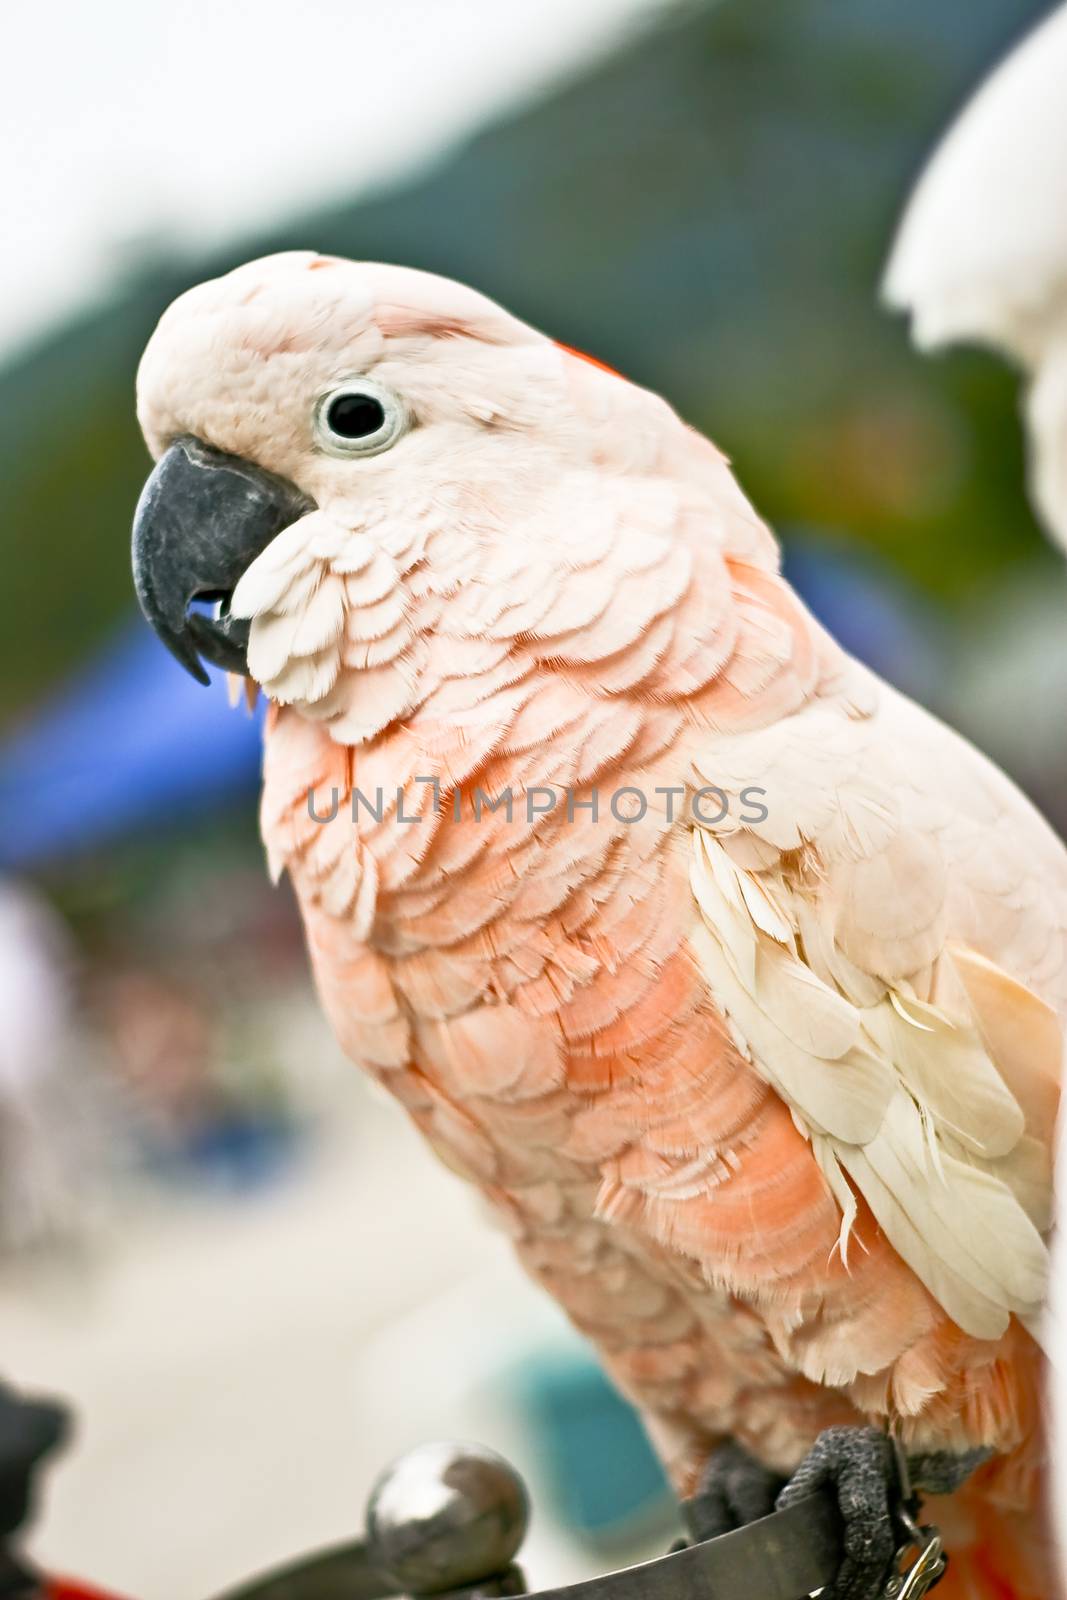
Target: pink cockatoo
{"points": [[733, 979]]}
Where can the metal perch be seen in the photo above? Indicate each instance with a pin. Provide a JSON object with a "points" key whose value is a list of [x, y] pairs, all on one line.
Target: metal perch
{"points": [[448, 1520]]}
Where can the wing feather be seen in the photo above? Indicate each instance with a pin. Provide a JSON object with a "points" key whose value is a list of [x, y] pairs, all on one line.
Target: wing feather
{"points": [[841, 939]]}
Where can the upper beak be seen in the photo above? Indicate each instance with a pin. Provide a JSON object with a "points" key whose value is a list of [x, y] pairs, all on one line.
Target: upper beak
{"points": [[202, 519]]}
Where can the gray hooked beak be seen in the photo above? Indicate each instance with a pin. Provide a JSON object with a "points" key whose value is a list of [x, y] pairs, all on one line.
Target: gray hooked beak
{"points": [[202, 519]]}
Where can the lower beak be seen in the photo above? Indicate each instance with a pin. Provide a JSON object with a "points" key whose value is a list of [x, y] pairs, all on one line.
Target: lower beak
{"points": [[202, 519]]}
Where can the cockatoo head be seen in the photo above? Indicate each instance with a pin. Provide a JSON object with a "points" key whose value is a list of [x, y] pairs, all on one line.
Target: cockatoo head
{"points": [[351, 457]]}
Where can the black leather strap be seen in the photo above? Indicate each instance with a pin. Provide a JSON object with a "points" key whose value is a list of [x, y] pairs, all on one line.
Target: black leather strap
{"points": [[782, 1557]]}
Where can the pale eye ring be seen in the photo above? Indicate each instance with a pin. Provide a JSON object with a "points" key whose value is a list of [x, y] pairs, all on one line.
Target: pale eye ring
{"points": [[359, 418]]}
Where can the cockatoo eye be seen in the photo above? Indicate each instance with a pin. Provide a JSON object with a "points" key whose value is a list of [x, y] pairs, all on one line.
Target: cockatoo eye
{"points": [[359, 419]]}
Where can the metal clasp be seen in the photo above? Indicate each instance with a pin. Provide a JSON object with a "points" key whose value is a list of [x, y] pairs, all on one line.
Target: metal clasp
{"points": [[928, 1567]]}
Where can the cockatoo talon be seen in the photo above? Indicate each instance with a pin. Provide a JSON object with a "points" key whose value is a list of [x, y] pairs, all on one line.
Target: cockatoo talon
{"points": [[734, 1490], [941, 1472], [859, 1464]]}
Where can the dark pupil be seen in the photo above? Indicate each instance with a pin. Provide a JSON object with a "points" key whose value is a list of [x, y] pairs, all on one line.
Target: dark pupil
{"points": [[355, 416]]}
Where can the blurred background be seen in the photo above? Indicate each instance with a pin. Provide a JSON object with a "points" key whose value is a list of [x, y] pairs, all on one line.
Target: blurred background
{"points": [[241, 1266]]}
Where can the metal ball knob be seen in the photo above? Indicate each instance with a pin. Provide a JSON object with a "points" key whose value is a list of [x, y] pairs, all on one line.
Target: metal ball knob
{"points": [[446, 1516]]}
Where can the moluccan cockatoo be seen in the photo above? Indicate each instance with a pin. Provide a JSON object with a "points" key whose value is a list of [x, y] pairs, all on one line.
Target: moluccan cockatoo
{"points": [[734, 980]]}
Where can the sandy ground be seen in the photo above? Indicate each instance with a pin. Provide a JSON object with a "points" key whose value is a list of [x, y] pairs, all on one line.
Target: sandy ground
{"points": [[243, 1368]]}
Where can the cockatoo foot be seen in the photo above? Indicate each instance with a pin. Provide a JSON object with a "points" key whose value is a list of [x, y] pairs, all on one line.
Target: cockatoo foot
{"points": [[734, 1489], [860, 1466], [941, 1472]]}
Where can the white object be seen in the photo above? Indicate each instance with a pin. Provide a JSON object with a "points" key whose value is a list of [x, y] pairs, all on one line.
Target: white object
{"points": [[981, 252]]}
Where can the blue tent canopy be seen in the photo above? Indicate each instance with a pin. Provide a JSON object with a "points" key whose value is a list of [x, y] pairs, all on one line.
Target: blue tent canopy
{"points": [[131, 744]]}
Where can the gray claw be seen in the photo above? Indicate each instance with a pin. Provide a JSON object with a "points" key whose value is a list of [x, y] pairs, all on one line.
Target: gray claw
{"points": [[734, 1490], [859, 1464], [940, 1472]]}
